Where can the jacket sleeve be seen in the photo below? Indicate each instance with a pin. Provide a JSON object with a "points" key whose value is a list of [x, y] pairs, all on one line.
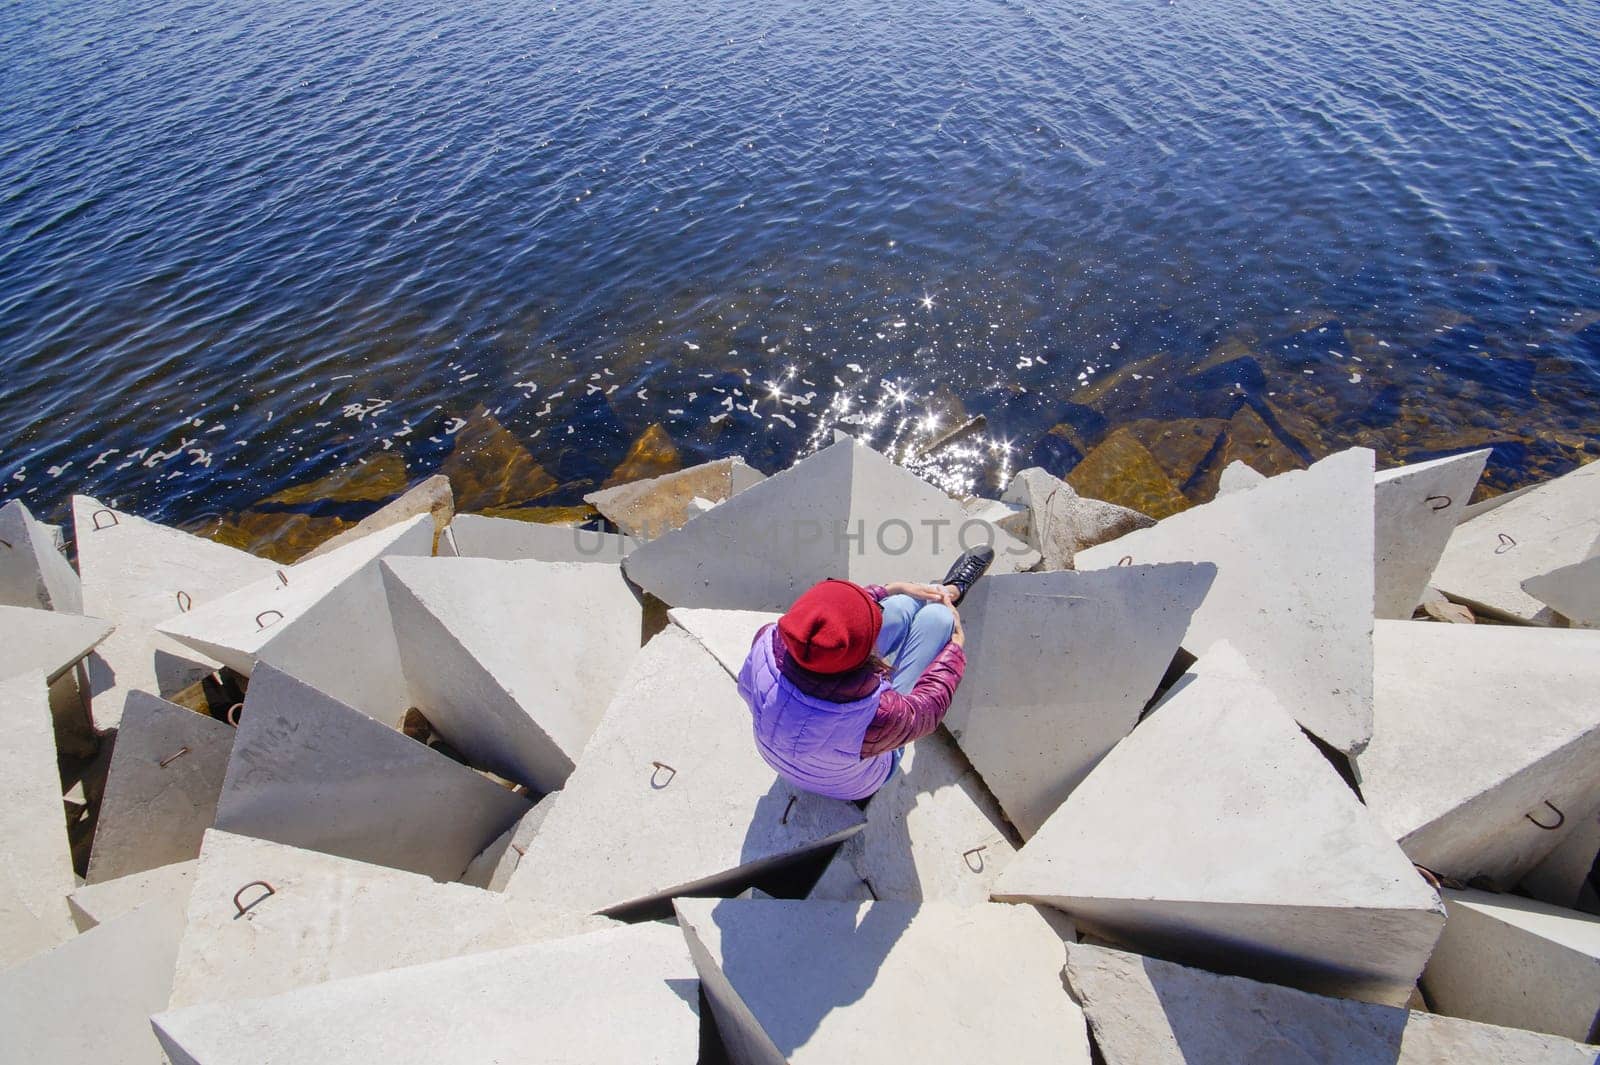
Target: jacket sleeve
{"points": [[903, 719]]}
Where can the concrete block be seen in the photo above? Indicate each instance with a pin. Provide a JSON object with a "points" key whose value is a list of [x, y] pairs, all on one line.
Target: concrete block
{"points": [[626, 994], [1217, 835], [656, 505], [1416, 508], [480, 536], [311, 772], [1571, 591], [670, 797], [1478, 728], [1563, 878], [330, 918], [138, 574], [1292, 592], [33, 573], [1238, 476], [492, 869], [1059, 666], [845, 511], [46, 641], [1148, 1012], [727, 634], [825, 982], [1513, 961], [513, 662], [36, 873], [1061, 522], [1489, 557], [933, 833], [234, 628], [161, 794], [432, 497], [95, 904], [90, 999]]}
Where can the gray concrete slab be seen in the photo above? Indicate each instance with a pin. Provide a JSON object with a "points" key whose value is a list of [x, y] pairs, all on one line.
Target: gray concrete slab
{"points": [[1416, 508], [1148, 1012], [513, 662], [1059, 666], [46, 641], [1293, 592], [492, 869], [432, 497], [33, 573], [1478, 728], [727, 634], [161, 793], [308, 771], [826, 982], [480, 536], [1571, 591], [1520, 963], [1489, 557], [626, 994], [845, 512], [670, 796], [1562, 879], [1061, 523], [657, 505], [1238, 476], [36, 873], [329, 918], [95, 904], [1217, 835]]}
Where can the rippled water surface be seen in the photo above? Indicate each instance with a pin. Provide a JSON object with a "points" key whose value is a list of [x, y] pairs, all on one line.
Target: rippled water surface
{"points": [[246, 246]]}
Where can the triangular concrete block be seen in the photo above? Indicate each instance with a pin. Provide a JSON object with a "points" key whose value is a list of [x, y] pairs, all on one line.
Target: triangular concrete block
{"points": [[1217, 835], [95, 904], [1416, 508], [32, 572], [1238, 476], [622, 995], [46, 641], [1293, 594], [161, 792], [670, 796], [1524, 964], [491, 870], [1059, 666], [311, 772], [1563, 878], [933, 833], [1149, 1012], [36, 873], [727, 634], [1571, 591], [138, 574], [480, 536], [827, 982], [845, 511], [657, 505], [1489, 557], [432, 497], [513, 662], [1479, 727], [234, 628], [327, 918], [90, 999]]}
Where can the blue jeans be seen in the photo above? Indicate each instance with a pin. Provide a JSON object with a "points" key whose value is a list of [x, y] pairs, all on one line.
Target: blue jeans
{"points": [[914, 632]]}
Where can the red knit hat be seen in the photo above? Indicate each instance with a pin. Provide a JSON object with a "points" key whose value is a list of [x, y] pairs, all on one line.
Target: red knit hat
{"points": [[832, 628]]}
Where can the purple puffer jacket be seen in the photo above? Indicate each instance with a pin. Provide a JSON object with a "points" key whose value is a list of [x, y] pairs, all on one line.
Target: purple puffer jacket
{"points": [[811, 742]]}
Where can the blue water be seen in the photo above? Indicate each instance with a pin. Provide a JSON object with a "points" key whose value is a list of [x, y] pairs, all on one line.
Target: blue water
{"points": [[244, 245]]}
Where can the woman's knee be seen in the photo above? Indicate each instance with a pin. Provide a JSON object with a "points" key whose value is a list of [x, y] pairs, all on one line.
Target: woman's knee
{"points": [[935, 619]]}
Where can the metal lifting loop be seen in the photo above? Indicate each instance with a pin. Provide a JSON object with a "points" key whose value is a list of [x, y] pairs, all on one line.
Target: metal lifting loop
{"points": [[233, 714], [241, 907], [95, 518], [1561, 818], [1125, 560], [1444, 502], [173, 757], [975, 852], [659, 766], [185, 603], [785, 818], [263, 624], [284, 577], [1506, 544]]}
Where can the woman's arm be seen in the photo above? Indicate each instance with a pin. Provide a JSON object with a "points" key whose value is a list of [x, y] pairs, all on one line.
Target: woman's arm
{"points": [[903, 719]]}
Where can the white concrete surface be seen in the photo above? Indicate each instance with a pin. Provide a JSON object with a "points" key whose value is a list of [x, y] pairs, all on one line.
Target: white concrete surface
{"points": [[95, 904], [622, 995], [46, 641], [845, 511], [234, 628], [1238, 476], [1149, 1012], [1523, 964], [32, 572], [311, 772], [1217, 835], [480, 536], [1562, 879], [491, 870], [432, 497], [1478, 727], [1061, 523], [36, 871], [1571, 591], [138, 574], [1489, 557], [1416, 508], [152, 814], [727, 634], [330, 918], [671, 797], [1293, 594], [90, 999], [513, 662], [657, 505], [933, 833], [829, 982], [1059, 666]]}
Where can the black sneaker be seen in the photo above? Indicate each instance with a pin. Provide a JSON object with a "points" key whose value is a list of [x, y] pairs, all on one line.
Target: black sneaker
{"points": [[968, 568]]}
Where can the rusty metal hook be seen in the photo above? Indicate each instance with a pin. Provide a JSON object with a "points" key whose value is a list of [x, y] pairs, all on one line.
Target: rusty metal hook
{"points": [[185, 603], [1444, 505], [1561, 818], [6, 544], [173, 757], [284, 577], [241, 907], [1125, 560], [95, 518], [263, 624], [975, 852], [659, 766], [1506, 544], [785, 818]]}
